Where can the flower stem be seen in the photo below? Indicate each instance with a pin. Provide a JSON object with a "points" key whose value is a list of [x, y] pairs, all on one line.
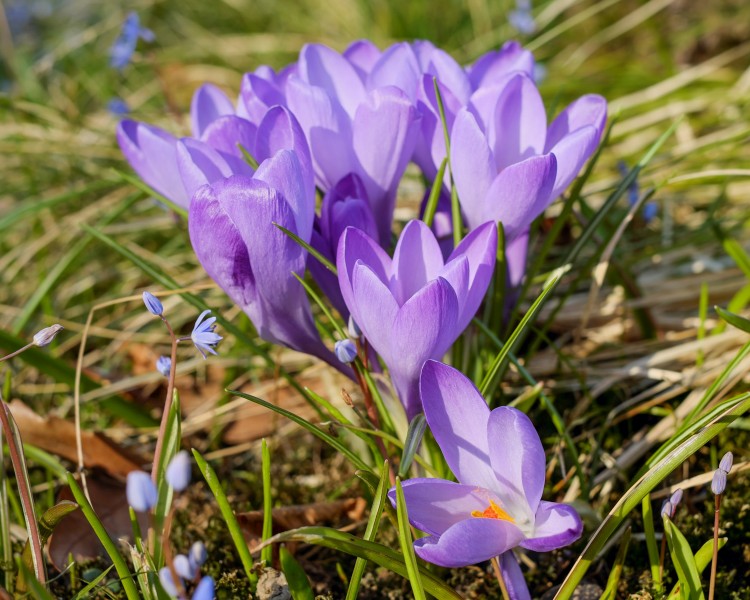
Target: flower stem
{"points": [[167, 403], [17, 352], [499, 574], [714, 559]]}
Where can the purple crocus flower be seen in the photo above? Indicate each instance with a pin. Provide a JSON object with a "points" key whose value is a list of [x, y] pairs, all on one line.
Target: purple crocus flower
{"points": [[261, 90], [413, 307], [351, 129], [497, 504], [507, 164], [152, 152]]}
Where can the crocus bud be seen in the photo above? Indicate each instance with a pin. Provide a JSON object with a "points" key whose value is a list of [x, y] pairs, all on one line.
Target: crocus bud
{"points": [[197, 555], [153, 304], [167, 582], [164, 365], [719, 482], [726, 462], [140, 491], [183, 567], [178, 471], [345, 350], [46, 335], [204, 590], [667, 509], [353, 329]]}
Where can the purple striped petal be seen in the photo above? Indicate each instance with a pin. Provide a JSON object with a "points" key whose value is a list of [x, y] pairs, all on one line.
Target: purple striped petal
{"points": [[323, 67], [556, 525], [374, 308], [200, 164], [257, 95], [209, 103], [416, 261], [397, 66], [590, 109], [515, 583], [490, 68], [457, 413], [571, 153], [469, 542], [362, 55], [226, 134]]}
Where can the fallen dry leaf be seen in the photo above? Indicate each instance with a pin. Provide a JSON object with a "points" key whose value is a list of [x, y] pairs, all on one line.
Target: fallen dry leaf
{"points": [[57, 436]]}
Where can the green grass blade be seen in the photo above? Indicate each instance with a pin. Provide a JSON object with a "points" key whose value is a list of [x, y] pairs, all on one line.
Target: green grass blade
{"points": [[266, 555], [121, 566], [316, 431], [299, 585], [170, 446], [372, 551], [737, 321], [228, 514], [84, 592], [431, 207], [411, 445], [702, 560], [731, 410], [322, 259], [407, 544], [651, 546], [684, 562], [610, 592], [373, 523]]}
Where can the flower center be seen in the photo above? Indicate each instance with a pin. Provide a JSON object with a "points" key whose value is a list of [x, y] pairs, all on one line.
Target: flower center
{"points": [[493, 511]]}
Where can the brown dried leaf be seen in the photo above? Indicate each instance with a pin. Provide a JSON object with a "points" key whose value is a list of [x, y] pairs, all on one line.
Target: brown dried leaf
{"points": [[57, 436]]}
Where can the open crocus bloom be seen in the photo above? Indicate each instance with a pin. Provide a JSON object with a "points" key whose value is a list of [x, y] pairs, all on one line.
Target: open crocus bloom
{"points": [[499, 462], [413, 307]]}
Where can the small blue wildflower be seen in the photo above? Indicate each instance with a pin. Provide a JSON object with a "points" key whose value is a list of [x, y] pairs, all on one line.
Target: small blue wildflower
{"points": [[676, 497], [204, 589], [153, 304], [667, 509], [719, 482], [167, 582], [118, 107], [650, 210], [140, 491], [203, 335], [178, 471], [46, 335], [726, 462], [183, 567], [521, 19], [197, 555], [346, 351], [122, 50], [164, 365]]}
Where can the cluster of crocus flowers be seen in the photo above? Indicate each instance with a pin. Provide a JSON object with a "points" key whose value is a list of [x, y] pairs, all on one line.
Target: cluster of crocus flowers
{"points": [[346, 125]]}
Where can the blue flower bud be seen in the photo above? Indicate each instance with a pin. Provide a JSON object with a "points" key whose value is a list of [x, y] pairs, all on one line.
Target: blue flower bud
{"points": [[46, 335], [726, 462], [667, 509], [153, 304], [676, 498], [167, 582], [164, 365], [353, 329], [346, 351], [183, 567], [719, 482], [204, 590], [198, 555], [178, 471], [140, 491]]}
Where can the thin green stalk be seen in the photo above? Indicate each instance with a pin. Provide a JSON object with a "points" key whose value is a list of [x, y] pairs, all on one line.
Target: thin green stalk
{"points": [[267, 553], [715, 557]]}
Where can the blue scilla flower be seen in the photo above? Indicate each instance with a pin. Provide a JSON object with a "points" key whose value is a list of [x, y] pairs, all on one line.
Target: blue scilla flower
{"points": [[153, 304], [122, 50], [178, 471], [118, 107], [197, 555], [140, 491], [203, 335], [204, 590], [164, 365], [346, 351]]}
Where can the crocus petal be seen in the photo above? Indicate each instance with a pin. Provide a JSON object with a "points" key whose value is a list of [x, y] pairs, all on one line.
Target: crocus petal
{"points": [[556, 525], [397, 66], [374, 308], [200, 164], [209, 103], [571, 153], [327, 129], [521, 193], [257, 95], [456, 273], [515, 258], [493, 66], [383, 158], [469, 542], [219, 247], [517, 457], [325, 68], [515, 583], [416, 260], [226, 134], [434, 505], [480, 249], [152, 152], [362, 55], [519, 126], [590, 109], [458, 416], [473, 167], [355, 245], [429, 151], [441, 65]]}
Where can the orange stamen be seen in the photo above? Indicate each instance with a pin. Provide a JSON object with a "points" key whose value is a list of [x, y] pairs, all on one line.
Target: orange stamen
{"points": [[493, 511]]}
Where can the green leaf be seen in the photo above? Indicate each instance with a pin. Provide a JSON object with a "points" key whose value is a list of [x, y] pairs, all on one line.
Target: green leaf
{"points": [[432, 202], [407, 544], [83, 594], [684, 562], [316, 431], [149, 191], [121, 566], [372, 551], [322, 259], [373, 523], [170, 446], [737, 321], [702, 560], [610, 592], [727, 412], [38, 591], [651, 546], [413, 439], [267, 532], [228, 514], [299, 585]]}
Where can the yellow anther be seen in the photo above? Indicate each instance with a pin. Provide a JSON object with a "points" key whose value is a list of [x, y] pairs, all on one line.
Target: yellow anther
{"points": [[493, 511]]}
